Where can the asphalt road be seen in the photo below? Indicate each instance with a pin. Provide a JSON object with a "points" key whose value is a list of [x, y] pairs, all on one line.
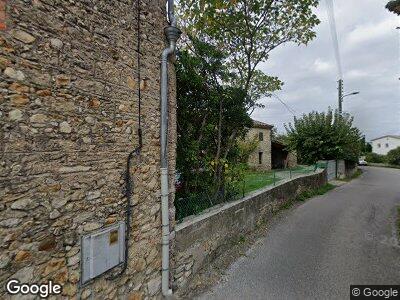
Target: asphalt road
{"points": [[316, 250]]}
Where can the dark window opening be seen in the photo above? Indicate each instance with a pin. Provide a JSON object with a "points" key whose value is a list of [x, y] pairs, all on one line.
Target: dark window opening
{"points": [[260, 155], [260, 136]]}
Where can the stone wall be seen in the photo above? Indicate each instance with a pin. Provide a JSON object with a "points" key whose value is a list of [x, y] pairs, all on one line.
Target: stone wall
{"points": [[69, 115], [264, 146], [201, 238], [292, 159]]}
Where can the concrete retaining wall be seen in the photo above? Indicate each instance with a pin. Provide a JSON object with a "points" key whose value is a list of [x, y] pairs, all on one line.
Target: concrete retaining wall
{"points": [[199, 239], [339, 169]]}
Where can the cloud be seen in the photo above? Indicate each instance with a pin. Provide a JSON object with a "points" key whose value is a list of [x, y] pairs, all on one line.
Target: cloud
{"points": [[369, 45], [357, 74], [370, 32], [321, 66]]}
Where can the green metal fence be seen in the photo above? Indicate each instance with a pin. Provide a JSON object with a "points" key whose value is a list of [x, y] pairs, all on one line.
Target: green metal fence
{"points": [[253, 180]]}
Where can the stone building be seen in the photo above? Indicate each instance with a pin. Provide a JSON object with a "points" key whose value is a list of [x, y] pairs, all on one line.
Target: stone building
{"points": [[282, 158], [69, 117], [261, 156]]}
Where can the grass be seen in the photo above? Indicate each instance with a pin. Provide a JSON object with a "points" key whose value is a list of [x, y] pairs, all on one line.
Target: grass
{"points": [[354, 176], [383, 165], [254, 180], [315, 192], [308, 194], [398, 221]]}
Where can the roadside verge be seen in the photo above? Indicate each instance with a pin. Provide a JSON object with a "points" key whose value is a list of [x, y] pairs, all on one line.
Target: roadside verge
{"points": [[200, 239]]}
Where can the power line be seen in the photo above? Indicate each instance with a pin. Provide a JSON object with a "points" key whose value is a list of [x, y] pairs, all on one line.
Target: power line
{"points": [[332, 24], [291, 110]]}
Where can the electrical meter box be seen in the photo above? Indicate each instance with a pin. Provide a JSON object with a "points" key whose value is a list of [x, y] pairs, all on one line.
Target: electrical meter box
{"points": [[101, 250]]}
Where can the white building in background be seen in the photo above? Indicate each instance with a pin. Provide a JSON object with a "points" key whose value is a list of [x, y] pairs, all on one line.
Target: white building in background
{"points": [[382, 145]]}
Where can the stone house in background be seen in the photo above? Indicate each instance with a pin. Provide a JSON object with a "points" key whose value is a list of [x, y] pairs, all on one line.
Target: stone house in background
{"points": [[69, 113], [280, 157], [261, 156], [269, 154]]}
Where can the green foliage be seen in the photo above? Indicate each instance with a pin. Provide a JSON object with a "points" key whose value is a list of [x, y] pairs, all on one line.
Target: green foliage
{"points": [[200, 195], [393, 6], [391, 159], [191, 204], [393, 156], [368, 148], [212, 116], [315, 192], [241, 239], [246, 147], [375, 158], [365, 147], [248, 30], [356, 174], [319, 136], [278, 137]]}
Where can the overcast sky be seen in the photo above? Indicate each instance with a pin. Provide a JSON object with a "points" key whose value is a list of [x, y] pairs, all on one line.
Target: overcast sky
{"points": [[370, 50]]}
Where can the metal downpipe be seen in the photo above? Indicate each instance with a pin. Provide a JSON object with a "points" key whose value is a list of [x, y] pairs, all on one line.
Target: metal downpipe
{"points": [[164, 173], [172, 34]]}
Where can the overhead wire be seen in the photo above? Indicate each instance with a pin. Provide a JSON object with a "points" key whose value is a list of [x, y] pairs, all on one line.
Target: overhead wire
{"points": [[129, 184], [291, 110], [332, 23]]}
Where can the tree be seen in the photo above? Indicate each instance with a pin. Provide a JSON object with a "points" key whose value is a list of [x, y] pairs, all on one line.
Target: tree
{"points": [[323, 135], [246, 147], [365, 147], [248, 30], [368, 148], [211, 114], [278, 137], [375, 158], [394, 6], [393, 156]]}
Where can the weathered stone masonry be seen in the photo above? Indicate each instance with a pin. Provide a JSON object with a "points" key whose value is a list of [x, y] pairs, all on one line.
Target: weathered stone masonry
{"points": [[199, 239], [69, 112]]}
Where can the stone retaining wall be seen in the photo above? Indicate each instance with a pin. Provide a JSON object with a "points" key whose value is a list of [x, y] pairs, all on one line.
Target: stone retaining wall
{"points": [[201, 238]]}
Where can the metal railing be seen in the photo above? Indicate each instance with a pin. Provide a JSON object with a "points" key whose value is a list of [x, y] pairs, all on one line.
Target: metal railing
{"points": [[253, 180]]}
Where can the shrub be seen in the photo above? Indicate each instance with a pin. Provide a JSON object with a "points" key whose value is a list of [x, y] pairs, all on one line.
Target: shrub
{"points": [[323, 135], [375, 158], [393, 156]]}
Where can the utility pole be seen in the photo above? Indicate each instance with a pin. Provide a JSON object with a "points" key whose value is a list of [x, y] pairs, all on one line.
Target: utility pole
{"points": [[340, 95]]}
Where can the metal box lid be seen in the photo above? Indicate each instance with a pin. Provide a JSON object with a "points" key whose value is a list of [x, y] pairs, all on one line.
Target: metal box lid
{"points": [[101, 250]]}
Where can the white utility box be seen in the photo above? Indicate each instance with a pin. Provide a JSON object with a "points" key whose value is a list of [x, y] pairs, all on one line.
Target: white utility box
{"points": [[102, 250]]}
